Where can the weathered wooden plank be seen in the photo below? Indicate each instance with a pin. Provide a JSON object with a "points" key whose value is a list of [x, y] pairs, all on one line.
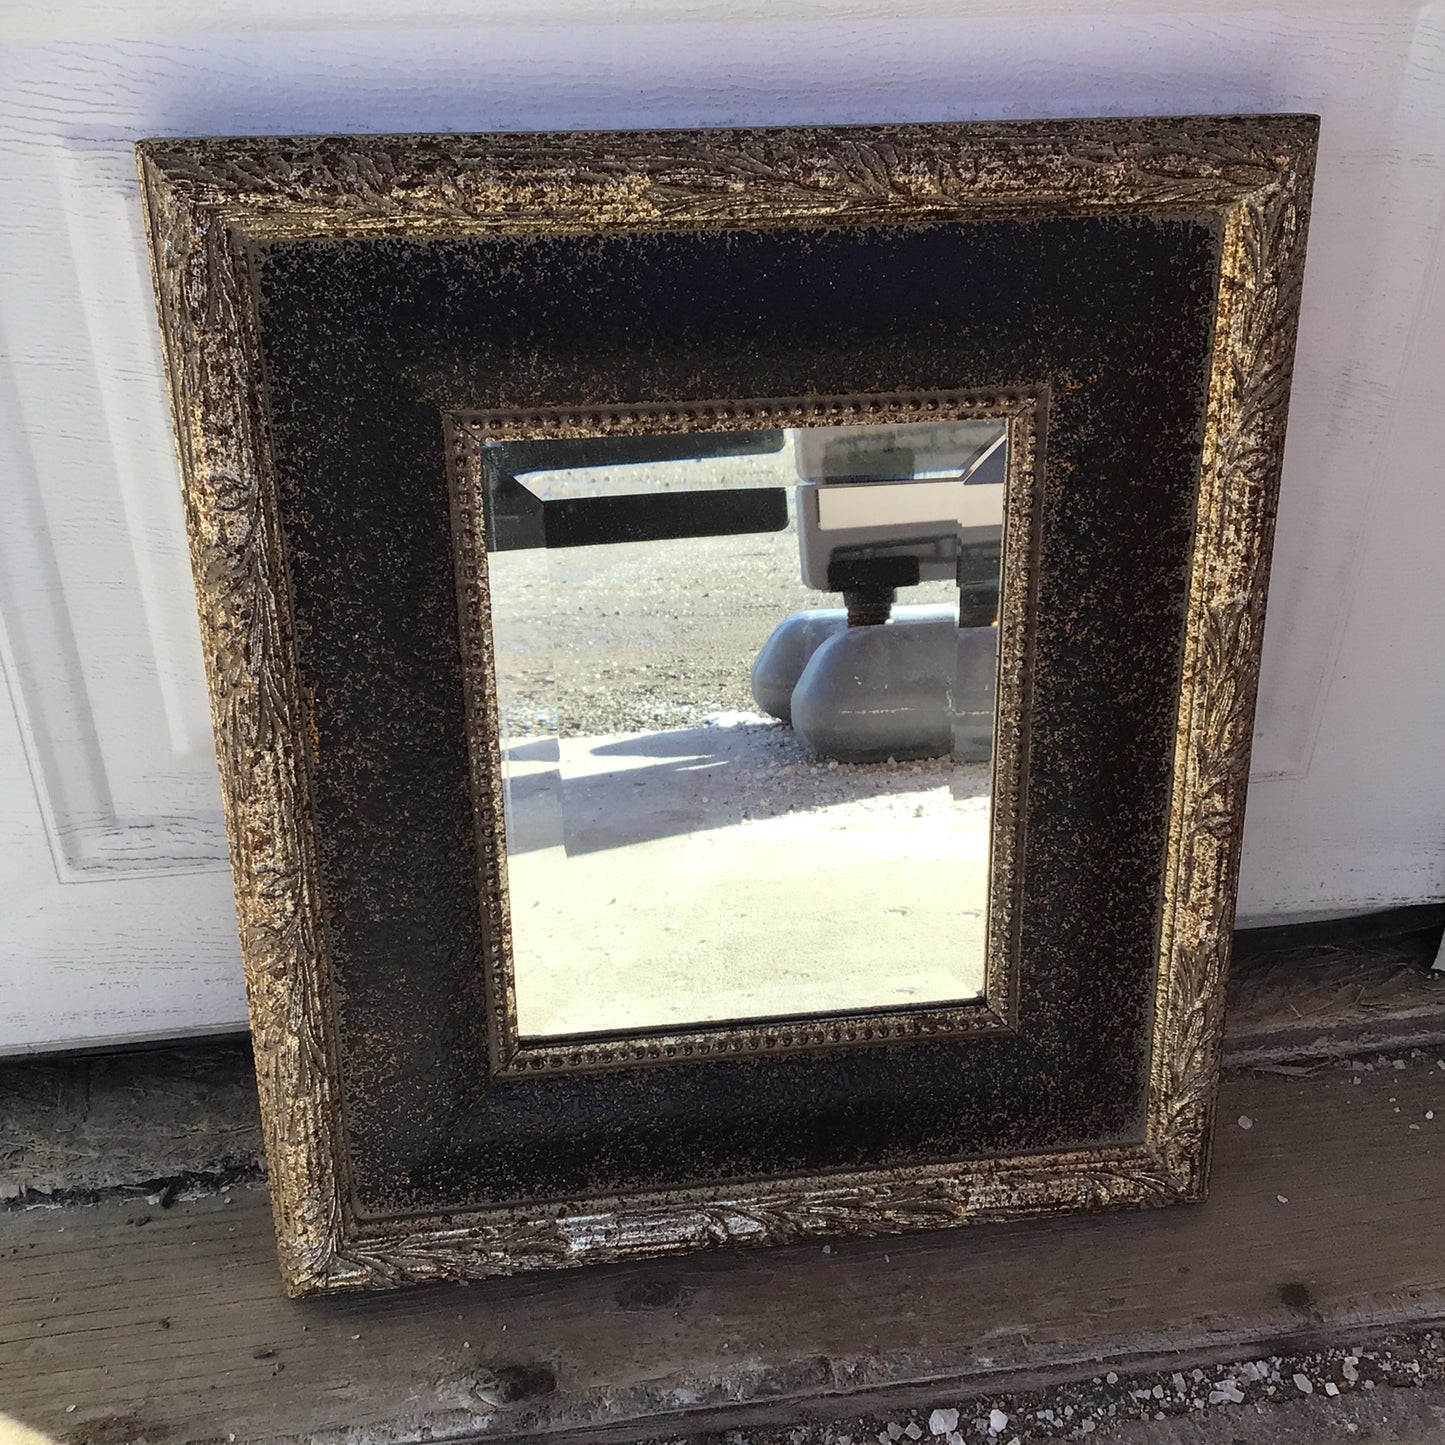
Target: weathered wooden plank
{"points": [[1336, 988], [168, 1324], [77, 1126]]}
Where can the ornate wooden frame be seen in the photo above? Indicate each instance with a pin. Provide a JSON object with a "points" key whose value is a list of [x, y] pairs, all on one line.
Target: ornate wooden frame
{"points": [[1025, 417], [212, 202]]}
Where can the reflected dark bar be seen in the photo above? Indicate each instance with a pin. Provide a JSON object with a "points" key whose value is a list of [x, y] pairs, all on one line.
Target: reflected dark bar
{"points": [[518, 518], [664, 516]]}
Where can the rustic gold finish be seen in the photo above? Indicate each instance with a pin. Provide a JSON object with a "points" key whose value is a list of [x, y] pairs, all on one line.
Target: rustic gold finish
{"points": [[209, 200]]}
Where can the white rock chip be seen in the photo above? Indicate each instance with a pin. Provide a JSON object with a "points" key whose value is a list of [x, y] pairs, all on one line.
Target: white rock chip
{"points": [[1302, 1384], [997, 1422], [942, 1421]]}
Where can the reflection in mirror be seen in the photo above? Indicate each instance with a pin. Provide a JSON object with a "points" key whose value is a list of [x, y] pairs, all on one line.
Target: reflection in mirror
{"points": [[745, 686]]}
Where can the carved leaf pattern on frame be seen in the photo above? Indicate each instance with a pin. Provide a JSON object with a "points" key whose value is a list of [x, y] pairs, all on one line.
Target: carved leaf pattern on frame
{"points": [[258, 720], [1260, 356], [433, 185], [514, 1241]]}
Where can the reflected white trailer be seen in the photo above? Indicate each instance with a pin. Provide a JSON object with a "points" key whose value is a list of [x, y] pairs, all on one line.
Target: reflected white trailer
{"points": [[881, 508]]}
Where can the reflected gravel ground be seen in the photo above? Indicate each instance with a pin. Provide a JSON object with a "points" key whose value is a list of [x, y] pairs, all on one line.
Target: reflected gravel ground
{"points": [[642, 637]]}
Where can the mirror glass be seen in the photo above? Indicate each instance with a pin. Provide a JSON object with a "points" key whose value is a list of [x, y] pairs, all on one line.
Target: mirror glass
{"points": [[745, 688]]}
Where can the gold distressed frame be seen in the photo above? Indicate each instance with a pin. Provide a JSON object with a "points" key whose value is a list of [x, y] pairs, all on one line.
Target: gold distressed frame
{"points": [[1025, 415], [207, 201]]}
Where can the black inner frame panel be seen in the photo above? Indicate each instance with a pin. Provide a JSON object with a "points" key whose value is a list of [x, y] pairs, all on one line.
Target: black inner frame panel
{"points": [[369, 344]]}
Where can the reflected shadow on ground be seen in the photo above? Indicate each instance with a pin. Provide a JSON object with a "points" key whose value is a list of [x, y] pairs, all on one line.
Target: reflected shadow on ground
{"points": [[591, 794]]}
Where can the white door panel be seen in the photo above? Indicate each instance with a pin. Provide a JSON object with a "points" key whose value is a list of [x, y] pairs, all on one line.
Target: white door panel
{"points": [[97, 957]]}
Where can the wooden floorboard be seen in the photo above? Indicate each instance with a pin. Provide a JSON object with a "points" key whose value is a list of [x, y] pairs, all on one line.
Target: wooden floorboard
{"points": [[76, 1128], [1339, 988], [167, 1325]]}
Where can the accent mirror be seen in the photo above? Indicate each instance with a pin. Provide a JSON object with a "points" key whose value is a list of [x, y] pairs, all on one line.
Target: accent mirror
{"points": [[733, 659]]}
